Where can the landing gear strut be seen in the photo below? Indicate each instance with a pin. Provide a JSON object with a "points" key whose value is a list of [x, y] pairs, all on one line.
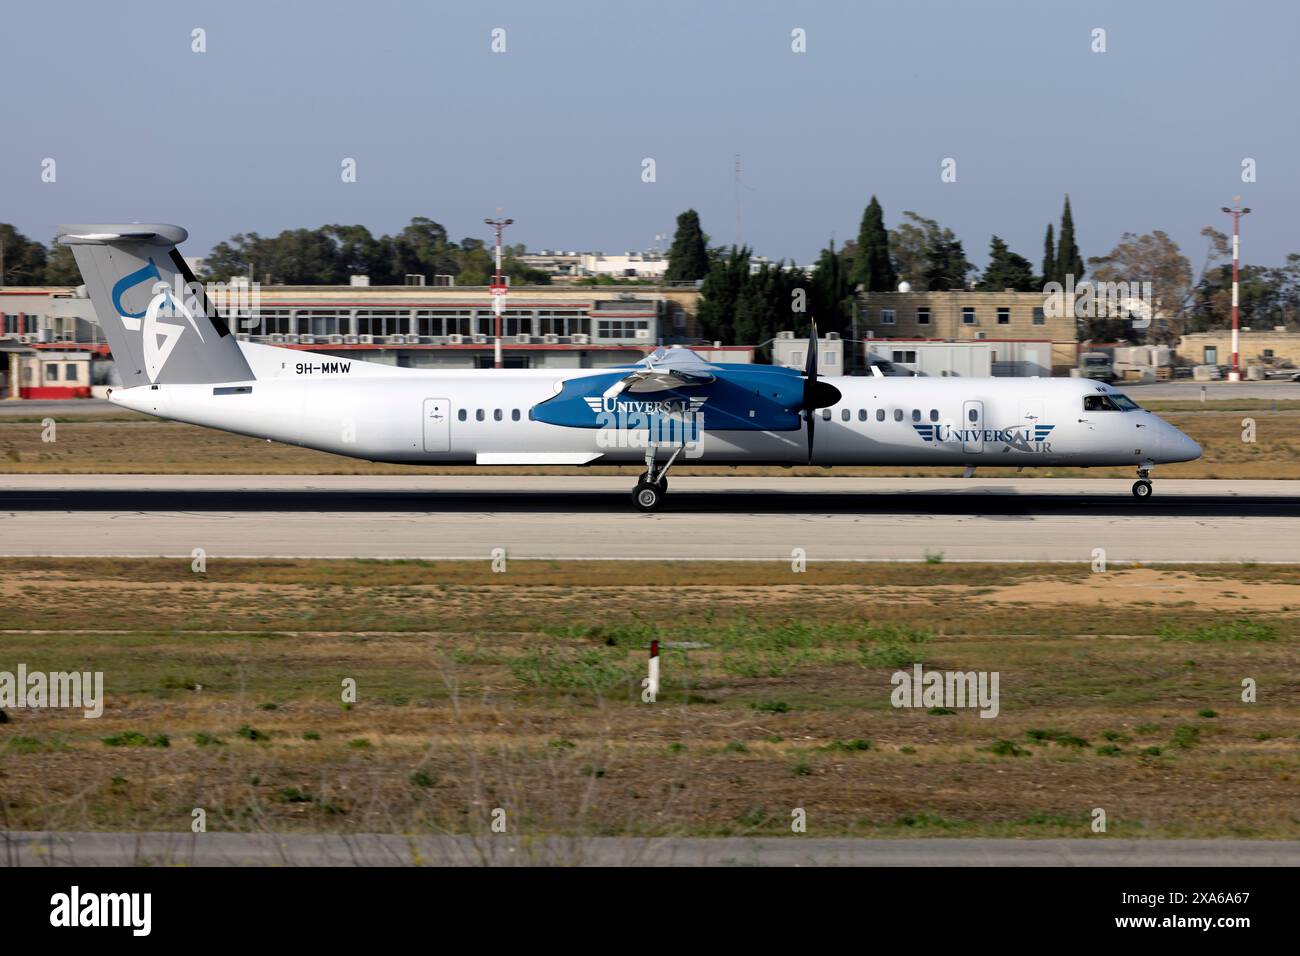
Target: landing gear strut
{"points": [[653, 483], [1142, 487]]}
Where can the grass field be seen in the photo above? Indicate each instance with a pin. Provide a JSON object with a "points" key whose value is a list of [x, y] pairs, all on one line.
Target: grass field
{"points": [[135, 444], [520, 690]]}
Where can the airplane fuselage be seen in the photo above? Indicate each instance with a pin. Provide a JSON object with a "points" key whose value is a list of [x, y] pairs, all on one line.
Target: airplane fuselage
{"points": [[486, 417]]}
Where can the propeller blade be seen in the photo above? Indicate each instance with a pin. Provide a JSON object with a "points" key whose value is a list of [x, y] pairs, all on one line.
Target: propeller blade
{"points": [[810, 386], [810, 367], [816, 394], [810, 414]]}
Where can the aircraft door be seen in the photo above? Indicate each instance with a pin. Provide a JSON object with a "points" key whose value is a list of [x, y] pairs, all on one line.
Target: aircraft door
{"points": [[972, 424], [437, 424]]}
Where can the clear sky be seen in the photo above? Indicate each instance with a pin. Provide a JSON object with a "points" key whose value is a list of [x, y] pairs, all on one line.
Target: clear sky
{"points": [[250, 135]]}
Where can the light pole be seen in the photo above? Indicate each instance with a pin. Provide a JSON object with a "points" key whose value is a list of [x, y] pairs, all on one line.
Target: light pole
{"points": [[1236, 212], [498, 290]]}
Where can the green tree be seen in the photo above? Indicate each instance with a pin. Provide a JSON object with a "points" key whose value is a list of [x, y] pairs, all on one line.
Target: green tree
{"points": [[1155, 258], [688, 259], [1006, 270], [359, 253], [948, 266], [1049, 257], [304, 257], [61, 266], [232, 257], [1267, 296], [830, 300], [720, 293], [928, 255], [1068, 259], [739, 305], [24, 260], [873, 269]]}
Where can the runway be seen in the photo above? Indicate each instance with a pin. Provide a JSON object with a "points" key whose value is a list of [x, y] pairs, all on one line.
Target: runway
{"points": [[302, 849], [724, 518]]}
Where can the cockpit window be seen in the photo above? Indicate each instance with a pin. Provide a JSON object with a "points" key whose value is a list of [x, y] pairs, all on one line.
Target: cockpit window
{"points": [[1125, 403], [1099, 403]]}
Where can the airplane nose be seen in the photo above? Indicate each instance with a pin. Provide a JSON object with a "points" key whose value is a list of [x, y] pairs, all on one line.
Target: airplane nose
{"points": [[1175, 446]]}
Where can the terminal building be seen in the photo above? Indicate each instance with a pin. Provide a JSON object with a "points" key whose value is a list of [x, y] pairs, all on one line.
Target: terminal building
{"points": [[1017, 335], [51, 344], [1275, 348], [406, 326]]}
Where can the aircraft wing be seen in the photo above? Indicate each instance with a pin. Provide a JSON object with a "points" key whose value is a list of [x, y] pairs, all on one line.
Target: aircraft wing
{"points": [[662, 370]]}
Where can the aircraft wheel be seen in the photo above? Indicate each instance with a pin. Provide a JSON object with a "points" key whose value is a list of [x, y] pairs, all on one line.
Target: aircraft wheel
{"points": [[645, 477], [648, 496], [1142, 488]]}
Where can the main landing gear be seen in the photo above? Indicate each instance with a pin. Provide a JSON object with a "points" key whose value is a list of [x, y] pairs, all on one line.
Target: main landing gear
{"points": [[653, 484], [1142, 487]]}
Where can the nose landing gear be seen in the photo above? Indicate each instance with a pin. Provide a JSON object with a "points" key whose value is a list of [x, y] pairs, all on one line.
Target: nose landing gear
{"points": [[653, 483], [1142, 487]]}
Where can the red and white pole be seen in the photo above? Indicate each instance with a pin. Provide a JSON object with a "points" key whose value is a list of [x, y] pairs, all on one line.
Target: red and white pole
{"points": [[1236, 212], [498, 290]]}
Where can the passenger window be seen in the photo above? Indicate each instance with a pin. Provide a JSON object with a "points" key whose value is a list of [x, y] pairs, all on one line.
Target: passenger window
{"points": [[514, 414], [497, 416], [462, 415], [826, 414], [845, 415], [479, 416], [880, 414], [862, 414], [916, 414], [898, 414], [934, 414]]}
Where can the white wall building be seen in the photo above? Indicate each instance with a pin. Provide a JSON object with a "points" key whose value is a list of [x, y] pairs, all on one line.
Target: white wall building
{"points": [[979, 359], [630, 265], [792, 352]]}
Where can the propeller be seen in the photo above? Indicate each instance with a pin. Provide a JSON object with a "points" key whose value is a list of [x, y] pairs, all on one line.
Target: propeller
{"points": [[815, 394]]}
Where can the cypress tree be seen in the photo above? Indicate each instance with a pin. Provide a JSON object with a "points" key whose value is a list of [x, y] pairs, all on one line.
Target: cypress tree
{"points": [[1049, 257], [688, 259], [872, 267], [1068, 260]]}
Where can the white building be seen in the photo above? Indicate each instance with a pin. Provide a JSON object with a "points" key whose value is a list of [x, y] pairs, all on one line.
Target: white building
{"points": [[630, 265], [980, 359], [790, 351]]}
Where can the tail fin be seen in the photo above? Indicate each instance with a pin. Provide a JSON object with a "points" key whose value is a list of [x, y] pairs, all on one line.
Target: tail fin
{"points": [[154, 313]]}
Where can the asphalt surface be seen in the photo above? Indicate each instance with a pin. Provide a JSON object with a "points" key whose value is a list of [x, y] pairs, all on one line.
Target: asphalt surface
{"points": [[854, 519], [26, 408], [300, 849], [1214, 391]]}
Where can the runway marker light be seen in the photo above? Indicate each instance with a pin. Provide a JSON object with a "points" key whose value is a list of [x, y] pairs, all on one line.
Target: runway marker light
{"points": [[650, 683]]}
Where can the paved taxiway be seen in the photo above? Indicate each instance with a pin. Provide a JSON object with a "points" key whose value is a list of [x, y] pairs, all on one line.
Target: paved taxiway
{"points": [[302, 849], [722, 518]]}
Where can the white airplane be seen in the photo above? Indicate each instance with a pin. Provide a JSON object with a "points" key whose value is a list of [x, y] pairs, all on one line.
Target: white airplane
{"points": [[178, 360]]}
